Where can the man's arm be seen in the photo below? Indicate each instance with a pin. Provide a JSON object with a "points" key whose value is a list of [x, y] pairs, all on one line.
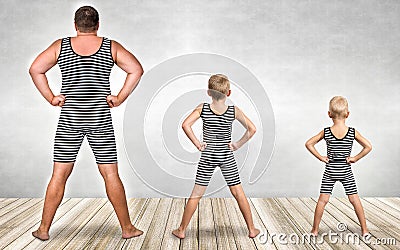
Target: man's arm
{"points": [[45, 61], [128, 63]]}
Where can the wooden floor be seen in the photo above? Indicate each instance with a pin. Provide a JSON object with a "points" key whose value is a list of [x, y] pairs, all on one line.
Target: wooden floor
{"points": [[217, 224]]}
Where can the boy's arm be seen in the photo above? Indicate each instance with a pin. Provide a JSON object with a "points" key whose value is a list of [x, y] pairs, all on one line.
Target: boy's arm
{"points": [[187, 127], [310, 146], [367, 147], [250, 129], [45, 61], [128, 63]]}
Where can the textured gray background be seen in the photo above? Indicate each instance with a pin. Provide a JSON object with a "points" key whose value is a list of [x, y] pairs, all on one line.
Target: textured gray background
{"points": [[303, 52]]}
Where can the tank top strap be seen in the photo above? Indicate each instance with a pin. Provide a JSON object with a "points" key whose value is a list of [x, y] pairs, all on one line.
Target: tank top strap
{"points": [[106, 45], [352, 133], [326, 132]]}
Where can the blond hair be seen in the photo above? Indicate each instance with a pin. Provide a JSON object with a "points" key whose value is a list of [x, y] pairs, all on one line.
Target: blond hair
{"points": [[338, 107], [218, 86]]}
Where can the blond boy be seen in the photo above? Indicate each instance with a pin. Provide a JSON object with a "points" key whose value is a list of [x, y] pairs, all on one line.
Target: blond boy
{"points": [[217, 149], [339, 140]]}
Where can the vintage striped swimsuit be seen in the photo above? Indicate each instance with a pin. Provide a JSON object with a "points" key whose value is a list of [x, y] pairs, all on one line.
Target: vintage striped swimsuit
{"points": [[338, 169], [85, 84], [217, 134]]}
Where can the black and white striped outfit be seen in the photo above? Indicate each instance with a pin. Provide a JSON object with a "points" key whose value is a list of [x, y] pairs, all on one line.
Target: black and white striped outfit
{"points": [[338, 169], [217, 134], [85, 84]]}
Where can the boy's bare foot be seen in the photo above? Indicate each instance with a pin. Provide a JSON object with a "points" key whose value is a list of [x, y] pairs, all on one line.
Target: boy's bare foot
{"points": [[40, 235], [313, 233], [132, 232], [253, 233], [179, 233]]}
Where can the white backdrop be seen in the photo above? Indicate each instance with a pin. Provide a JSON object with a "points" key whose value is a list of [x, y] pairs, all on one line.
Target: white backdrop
{"points": [[302, 52]]}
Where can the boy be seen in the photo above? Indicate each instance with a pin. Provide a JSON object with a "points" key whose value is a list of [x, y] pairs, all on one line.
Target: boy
{"points": [[85, 62], [217, 150], [339, 140]]}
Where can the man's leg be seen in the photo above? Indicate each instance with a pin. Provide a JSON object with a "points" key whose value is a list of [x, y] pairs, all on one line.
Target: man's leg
{"points": [[238, 193], [197, 193], [54, 195], [116, 194]]}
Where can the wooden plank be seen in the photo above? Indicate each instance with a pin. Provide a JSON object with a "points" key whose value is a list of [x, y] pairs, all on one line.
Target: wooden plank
{"points": [[206, 225], [174, 219], [385, 208], [332, 223], [6, 201], [259, 241], [22, 240], [156, 231], [308, 214], [373, 214], [375, 231], [109, 234], [16, 208], [191, 240], [239, 228], [276, 223], [224, 233], [351, 223], [14, 227], [64, 230], [393, 202], [303, 223], [88, 231], [143, 223]]}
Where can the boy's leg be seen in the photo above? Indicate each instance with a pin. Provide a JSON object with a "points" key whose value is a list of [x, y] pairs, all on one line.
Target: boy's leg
{"points": [[116, 194], [197, 193], [319, 210], [238, 193], [54, 195], [355, 201]]}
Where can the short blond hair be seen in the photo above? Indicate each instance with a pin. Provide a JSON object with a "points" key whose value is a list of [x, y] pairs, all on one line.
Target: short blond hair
{"points": [[219, 86], [338, 107]]}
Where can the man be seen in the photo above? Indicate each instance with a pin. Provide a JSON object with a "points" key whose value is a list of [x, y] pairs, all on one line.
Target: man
{"points": [[85, 62]]}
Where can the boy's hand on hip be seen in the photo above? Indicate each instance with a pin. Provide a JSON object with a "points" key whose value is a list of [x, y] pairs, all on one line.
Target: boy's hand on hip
{"points": [[233, 146], [351, 160], [113, 101], [58, 100], [324, 159], [202, 146]]}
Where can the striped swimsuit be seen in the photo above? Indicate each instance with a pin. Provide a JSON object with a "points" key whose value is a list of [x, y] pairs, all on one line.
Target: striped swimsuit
{"points": [[85, 85], [217, 134], [338, 169]]}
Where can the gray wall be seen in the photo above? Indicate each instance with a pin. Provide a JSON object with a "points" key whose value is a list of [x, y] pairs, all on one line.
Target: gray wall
{"points": [[303, 53]]}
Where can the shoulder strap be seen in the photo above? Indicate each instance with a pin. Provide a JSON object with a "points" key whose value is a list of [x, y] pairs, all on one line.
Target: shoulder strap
{"points": [[326, 131]]}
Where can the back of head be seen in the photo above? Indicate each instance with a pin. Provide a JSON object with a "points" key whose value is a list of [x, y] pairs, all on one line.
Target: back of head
{"points": [[338, 107], [86, 19], [218, 86]]}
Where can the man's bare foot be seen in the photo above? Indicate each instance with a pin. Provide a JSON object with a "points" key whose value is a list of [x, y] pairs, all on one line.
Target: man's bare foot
{"points": [[253, 233], [132, 232], [179, 233], [313, 233], [40, 235]]}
